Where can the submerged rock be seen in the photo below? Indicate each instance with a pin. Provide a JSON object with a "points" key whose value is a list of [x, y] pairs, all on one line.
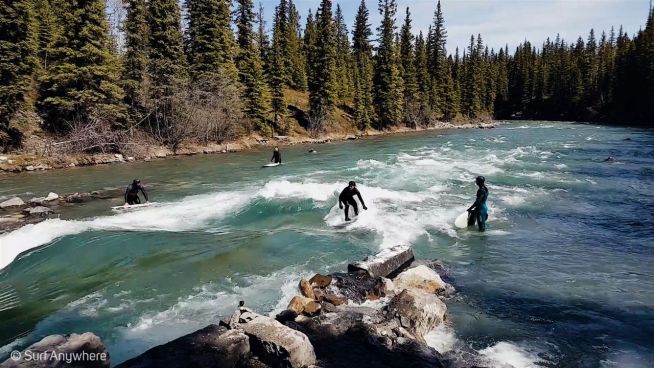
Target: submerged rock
{"points": [[13, 202], [85, 350], [38, 211], [386, 262], [212, 346]]}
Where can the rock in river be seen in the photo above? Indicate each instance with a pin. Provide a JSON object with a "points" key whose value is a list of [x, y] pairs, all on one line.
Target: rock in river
{"points": [[85, 350], [417, 311], [13, 202], [421, 277], [212, 346], [386, 262]]}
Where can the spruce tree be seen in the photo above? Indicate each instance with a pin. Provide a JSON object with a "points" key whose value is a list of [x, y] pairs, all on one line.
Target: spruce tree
{"points": [[82, 78], [364, 112], [167, 66], [322, 89], [135, 60], [262, 40], [18, 52], [248, 60], [343, 58], [388, 82], [407, 66], [423, 81], [297, 63], [211, 46], [438, 61]]}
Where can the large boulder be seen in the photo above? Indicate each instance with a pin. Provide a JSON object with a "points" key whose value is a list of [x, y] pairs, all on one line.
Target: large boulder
{"points": [[58, 351], [417, 312], [420, 277], [212, 346], [13, 202], [305, 288], [320, 281], [303, 305], [278, 345], [386, 262]]}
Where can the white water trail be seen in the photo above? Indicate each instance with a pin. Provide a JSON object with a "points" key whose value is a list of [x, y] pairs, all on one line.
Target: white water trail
{"points": [[189, 214]]}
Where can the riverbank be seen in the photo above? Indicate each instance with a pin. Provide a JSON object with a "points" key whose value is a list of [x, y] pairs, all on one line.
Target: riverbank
{"points": [[29, 162]]}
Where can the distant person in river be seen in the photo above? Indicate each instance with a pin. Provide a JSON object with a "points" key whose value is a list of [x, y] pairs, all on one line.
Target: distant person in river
{"points": [[132, 193], [347, 198], [478, 212], [277, 157]]}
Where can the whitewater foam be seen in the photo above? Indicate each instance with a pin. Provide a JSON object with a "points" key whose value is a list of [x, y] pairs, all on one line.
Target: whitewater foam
{"points": [[508, 355]]}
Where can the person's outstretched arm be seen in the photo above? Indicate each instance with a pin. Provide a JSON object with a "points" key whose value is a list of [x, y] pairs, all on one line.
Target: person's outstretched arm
{"points": [[126, 192], [144, 193], [361, 199]]}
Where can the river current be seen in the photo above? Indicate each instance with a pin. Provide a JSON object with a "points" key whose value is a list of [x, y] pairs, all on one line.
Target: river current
{"points": [[562, 277]]}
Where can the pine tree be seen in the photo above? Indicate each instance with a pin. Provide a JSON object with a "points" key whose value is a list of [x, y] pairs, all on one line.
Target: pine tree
{"points": [[388, 82], [255, 91], [438, 67], [407, 67], [343, 58], [364, 112], [18, 52], [167, 66], [135, 60], [322, 90], [82, 78], [423, 80], [49, 29], [279, 74], [296, 61], [211, 46], [309, 51]]}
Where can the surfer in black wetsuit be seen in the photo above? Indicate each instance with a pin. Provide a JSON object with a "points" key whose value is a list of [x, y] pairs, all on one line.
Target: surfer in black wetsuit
{"points": [[132, 193], [347, 198], [277, 157], [478, 212]]}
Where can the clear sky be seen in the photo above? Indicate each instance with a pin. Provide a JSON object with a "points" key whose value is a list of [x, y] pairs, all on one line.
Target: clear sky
{"points": [[502, 22]]}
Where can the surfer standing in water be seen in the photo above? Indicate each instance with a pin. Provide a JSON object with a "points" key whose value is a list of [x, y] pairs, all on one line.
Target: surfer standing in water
{"points": [[132, 193], [479, 211], [347, 198], [276, 157]]}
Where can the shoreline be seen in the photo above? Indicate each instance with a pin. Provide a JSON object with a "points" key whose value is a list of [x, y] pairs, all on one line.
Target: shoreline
{"points": [[31, 162]]}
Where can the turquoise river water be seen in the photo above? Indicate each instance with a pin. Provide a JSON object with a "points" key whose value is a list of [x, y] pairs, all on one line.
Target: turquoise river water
{"points": [[563, 277]]}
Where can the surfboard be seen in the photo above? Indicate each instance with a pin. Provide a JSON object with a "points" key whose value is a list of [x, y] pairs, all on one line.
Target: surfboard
{"points": [[133, 206], [271, 164], [344, 224], [461, 221]]}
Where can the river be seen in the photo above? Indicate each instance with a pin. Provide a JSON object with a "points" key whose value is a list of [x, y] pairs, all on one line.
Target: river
{"points": [[563, 276]]}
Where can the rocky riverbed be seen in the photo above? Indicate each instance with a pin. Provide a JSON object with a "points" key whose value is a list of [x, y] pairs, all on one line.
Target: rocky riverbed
{"points": [[16, 212], [374, 315]]}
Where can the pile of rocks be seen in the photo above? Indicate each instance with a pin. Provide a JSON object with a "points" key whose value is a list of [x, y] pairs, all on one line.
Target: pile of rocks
{"points": [[357, 319]]}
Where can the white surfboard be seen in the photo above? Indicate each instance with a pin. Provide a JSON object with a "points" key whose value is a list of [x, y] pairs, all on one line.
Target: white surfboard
{"points": [[272, 164], [461, 221], [344, 224], [133, 207]]}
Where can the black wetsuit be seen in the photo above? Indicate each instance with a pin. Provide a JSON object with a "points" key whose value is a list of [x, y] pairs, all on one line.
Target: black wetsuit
{"points": [[479, 209], [347, 198], [277, 157], [132, 194]]}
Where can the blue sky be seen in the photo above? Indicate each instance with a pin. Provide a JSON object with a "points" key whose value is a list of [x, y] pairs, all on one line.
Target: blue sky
{"points": [[502, 21]]}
